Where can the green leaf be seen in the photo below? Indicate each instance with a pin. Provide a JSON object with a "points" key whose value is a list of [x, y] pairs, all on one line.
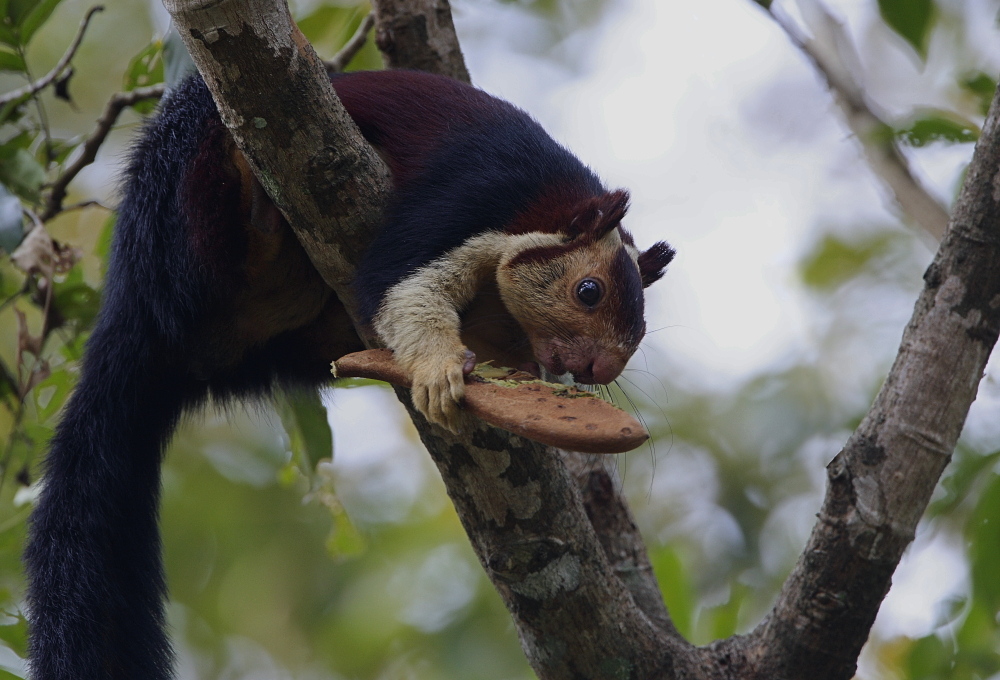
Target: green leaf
{"points": [[11, 61], [18, 10], [983, 531], [304, 418], [75, 300], [975, 654], [103, 247], [74, 347], [929, 659], [981, 86], [766, 4], [14, 632], [22, 174], [20, 141], [51, 393], [963, 473], [833, 261], [911, 19], [145, 68], [60, 149], [7, 33], [7, 36], [325, 22], [722, 621], [678, 592], [346, 383], [938, 126], [329, 28], [36, 17], [11, 220], [345, 540], [11, 111]]}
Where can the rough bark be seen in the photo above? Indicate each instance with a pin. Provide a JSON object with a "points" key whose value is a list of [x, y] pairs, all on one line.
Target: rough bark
{"points": [[419, 34], [527, 523], [584, 601], [611, 518], [880, 483], [575, 618], [274, 96]]}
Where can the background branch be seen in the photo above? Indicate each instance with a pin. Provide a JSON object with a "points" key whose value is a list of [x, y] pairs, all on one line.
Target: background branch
{"points": [[114, 107], [57, 70], [879, 485], [834, 58], [353, 46], [419, 34]]}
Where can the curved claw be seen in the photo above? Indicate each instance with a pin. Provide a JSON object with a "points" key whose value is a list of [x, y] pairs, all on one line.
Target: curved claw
{"points": [[438, 388]]}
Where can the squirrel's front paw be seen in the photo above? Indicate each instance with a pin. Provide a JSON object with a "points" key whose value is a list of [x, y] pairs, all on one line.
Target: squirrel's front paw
{"points": [[439, 385]]}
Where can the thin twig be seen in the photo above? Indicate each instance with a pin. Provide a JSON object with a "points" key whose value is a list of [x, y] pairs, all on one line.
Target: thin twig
{"points": [[353, 46], [57, 70], [86, 204], [884, 156], [53, 206]]}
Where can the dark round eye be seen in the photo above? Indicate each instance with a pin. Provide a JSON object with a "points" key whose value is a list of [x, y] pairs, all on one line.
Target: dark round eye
{"points": [[589, 292]]}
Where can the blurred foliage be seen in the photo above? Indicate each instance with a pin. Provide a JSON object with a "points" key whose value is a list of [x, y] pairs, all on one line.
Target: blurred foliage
{"points": [[911, 19], [328, 27], [286, 562], [981, 86], [937, 126], [834, 262]]}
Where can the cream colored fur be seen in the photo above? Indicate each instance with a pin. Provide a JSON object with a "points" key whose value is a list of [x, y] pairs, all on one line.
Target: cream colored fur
{"points": [[419, 318]]}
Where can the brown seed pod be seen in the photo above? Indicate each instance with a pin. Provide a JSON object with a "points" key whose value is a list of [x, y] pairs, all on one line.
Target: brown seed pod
{"points": [[553, 414]]}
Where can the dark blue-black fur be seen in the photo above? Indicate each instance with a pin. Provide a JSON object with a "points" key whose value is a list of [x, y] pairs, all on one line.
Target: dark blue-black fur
{"points": [[96, 581], [95, 575], [478, 181]]}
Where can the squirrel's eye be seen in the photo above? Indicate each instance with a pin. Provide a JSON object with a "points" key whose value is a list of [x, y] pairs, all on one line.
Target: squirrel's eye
{"points": [[589, 292]]}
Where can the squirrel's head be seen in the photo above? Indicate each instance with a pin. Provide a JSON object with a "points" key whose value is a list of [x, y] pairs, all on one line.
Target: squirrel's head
{"points": [[580, 299]]}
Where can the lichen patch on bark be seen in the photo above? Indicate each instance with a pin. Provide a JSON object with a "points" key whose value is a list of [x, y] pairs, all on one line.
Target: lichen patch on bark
{"points": [[559, 576]]}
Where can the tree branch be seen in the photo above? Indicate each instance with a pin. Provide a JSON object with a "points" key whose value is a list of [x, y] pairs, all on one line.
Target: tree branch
{"points": [[419, 34], [619, 536], [274, 95], [527, 523], [833, 57], [881, 482], [522, 509], [516, 498], [57, 70], [114, 107], [353, 46], [605, 509]]}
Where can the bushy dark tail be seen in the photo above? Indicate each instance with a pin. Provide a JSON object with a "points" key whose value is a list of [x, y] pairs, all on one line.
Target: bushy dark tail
{"points": [[95, 576]]}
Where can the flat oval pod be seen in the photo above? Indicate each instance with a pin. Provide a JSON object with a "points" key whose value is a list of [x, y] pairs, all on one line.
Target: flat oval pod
{"points": [[553, 414]]}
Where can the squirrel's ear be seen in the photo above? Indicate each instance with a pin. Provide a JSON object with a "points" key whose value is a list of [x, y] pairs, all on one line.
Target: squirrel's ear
{"points": [[595, 217], [652, 262], [613, 207]]}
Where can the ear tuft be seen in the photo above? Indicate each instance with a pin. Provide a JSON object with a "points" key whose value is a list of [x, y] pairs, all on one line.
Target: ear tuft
{"points": [[597, 216], [653, 261], [613, 207]]}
